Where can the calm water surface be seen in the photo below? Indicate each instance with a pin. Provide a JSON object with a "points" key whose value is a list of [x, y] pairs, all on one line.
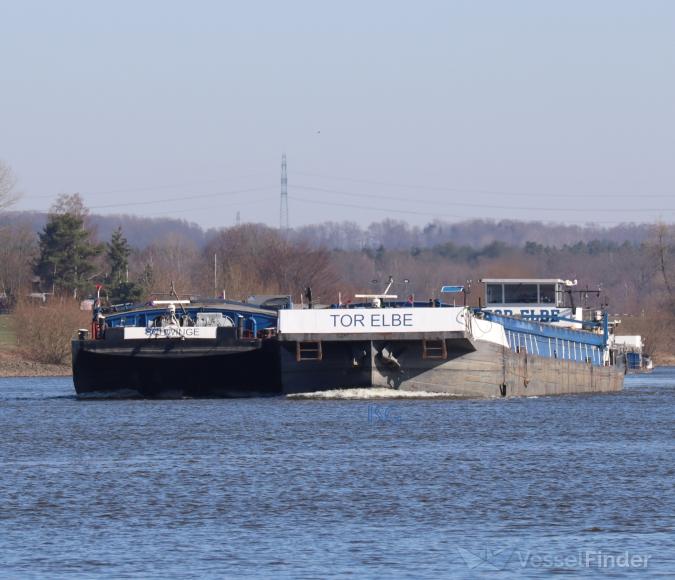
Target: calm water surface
{"points": [[575, 485]]}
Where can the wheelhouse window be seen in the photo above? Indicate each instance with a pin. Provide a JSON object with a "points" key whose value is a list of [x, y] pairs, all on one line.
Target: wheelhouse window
{"points": [[547, 293], [520, 293], [494, 294]]}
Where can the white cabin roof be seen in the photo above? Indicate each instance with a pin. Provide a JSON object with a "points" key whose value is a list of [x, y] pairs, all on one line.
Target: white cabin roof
{"points": [[634, 340], [522, 281]]}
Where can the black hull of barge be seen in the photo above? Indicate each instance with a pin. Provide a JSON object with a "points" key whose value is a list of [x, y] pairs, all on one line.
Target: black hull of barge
{"points": [[174, 369]]}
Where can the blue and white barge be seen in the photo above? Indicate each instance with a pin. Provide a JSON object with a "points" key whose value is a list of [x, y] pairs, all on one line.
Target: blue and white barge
{"points": [[527, 338]]}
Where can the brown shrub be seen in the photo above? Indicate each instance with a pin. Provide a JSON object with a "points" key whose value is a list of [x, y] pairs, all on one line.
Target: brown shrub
{"points": [[44, 331]]}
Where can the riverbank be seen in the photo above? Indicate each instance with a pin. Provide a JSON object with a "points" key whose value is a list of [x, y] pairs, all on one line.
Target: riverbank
{"points": [[664, 360], [14, 364]]}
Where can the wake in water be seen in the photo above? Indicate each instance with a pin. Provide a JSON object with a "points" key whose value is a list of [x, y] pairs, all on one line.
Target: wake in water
{"points": [[121, 394], [373, 393]]}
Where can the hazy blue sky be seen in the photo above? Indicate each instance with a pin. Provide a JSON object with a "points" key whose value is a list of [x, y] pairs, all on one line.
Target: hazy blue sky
{"points": [[560, 111]]}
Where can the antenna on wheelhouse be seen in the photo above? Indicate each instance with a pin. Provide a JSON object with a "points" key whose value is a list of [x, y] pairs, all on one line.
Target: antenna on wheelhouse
{"points": [[389, 283]]}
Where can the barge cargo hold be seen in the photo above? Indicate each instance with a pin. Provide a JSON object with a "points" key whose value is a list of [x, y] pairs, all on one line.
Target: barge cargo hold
{"points": [[209, 349]]}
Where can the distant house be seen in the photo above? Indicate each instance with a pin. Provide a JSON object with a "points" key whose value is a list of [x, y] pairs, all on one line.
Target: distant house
{"points": [[36, 294], [4, 302]]}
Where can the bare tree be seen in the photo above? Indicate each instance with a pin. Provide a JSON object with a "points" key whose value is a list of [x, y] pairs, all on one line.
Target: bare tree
{"points": [[662, 249], [173, 258], [253, 259], [8, 193], [17, 252]]}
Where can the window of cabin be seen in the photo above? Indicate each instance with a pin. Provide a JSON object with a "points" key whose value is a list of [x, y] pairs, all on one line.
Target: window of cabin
{"points": [[494, 294], [520, 293], [547, 293]]}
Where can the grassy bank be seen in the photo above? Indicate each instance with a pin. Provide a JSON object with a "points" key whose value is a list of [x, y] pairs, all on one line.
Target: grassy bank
{"points": [[15, 363], [7, 336]]}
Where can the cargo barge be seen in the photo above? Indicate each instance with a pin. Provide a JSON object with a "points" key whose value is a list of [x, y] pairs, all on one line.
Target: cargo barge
{"points": [[528, 339], [177, 348]]}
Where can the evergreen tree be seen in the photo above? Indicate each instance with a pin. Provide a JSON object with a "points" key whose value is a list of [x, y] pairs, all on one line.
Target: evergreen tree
{"points": [[67, 251], [125, 292], [118, 251]]}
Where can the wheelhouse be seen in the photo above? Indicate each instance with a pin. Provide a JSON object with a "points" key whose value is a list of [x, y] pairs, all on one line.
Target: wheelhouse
{"points": [[532, 292]]}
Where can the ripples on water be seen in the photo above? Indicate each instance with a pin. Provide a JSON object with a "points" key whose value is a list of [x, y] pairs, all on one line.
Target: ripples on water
{"points": [[335, 488]]}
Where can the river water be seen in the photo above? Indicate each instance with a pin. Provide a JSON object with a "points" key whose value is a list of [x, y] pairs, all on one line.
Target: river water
{"points": [[580, 485]]}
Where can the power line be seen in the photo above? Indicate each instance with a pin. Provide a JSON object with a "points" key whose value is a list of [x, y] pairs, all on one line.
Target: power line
{"points": [[181, 198], [418, 200], [388, 210], [487, 191], [265, 199], [154, 187], [434, 214]]}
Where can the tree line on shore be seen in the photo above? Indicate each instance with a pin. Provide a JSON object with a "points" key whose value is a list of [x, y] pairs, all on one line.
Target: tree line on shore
{"points": [[70, 260]]}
